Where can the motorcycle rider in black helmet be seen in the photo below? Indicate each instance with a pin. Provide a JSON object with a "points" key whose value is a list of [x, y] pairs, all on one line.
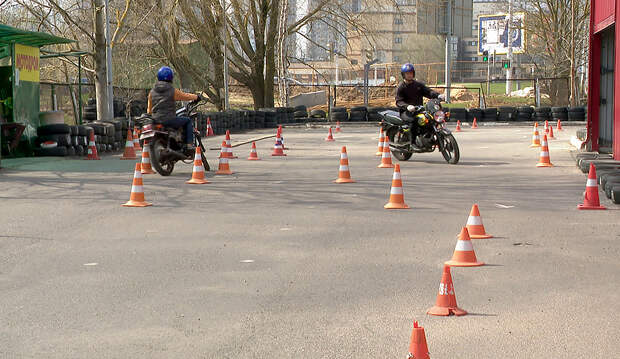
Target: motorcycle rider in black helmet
{"points": [[409, 94]]}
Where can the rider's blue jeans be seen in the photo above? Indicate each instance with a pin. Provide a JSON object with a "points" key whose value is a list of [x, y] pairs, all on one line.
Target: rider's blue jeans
{"points": [[182, 122]]}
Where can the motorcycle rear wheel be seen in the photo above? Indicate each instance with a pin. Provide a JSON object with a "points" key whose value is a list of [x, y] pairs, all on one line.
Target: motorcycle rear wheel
{"points": [[449, 149], [164, 169], [400, 138]]}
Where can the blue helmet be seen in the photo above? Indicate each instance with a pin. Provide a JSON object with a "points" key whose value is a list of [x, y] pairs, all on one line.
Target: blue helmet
{"points": [[165, 74], [407, 68]]}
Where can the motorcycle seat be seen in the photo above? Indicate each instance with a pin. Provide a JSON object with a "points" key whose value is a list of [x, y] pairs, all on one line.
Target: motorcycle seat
{"points": [[392, 117]]}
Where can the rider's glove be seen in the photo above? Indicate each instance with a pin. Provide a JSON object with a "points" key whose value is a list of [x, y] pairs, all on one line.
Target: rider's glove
{"points": [[442, 97], [411, 108], [200, 98]]}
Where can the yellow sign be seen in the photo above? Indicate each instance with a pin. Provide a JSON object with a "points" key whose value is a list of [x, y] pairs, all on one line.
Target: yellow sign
{"points": [[27, 63]]}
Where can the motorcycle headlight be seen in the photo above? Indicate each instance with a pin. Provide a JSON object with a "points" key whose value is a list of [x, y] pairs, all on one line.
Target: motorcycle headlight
{"points": [[422, 120]]}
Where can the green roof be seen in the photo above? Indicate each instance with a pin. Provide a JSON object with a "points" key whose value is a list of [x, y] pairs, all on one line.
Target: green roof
{"points": [[29, 38]]}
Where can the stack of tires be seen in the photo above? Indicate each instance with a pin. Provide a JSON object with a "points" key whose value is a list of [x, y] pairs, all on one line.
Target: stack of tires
{"points": [[576, 114], [89, 111], [458, 114], [271, 117], [524, 113], [373, 114], [300, 114], [489, 114], [260, 119], [318, 115], [339, 114], [559, 113], [106, 137], [474, 113], [507, 113], [542, 114], [358, 114], [62, 140]]}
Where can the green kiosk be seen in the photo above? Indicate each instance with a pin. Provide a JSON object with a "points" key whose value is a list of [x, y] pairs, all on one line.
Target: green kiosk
{"points": [[19, 86]]}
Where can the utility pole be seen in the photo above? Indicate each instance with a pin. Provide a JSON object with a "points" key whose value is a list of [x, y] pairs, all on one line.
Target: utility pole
{"points": [[572, 53], [448, 48], [224, 36], [509, 41], [108, 52]]}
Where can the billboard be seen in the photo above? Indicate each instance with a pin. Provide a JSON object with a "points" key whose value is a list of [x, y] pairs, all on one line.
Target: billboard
{"points": [[493, 33]]}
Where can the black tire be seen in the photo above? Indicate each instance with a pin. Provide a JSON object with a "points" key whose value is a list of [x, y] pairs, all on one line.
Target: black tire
{"points": [[55, 151], [576, 116], [374, 117], [577, 109], [357, 116], [61, 140], [489, 114], [317, 114], [82, 141], [609, 185], [82, 130], [543, 109], [301, 108], [54, 129], [80, 150], [525, 109], [298, 114], [71, 151], [338, 109], [402, 138], [74, 130], [359, 109], [156, 147], [449, 149], [615, 194], [75, 140]]}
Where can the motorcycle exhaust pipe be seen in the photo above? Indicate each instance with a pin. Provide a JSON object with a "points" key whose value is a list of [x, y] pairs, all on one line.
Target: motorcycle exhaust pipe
{"points": [[168, 155]]}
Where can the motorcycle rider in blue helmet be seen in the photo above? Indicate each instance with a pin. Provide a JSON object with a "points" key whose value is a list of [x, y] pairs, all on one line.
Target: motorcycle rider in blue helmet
{"points": [[409, 94], [161, 104]]}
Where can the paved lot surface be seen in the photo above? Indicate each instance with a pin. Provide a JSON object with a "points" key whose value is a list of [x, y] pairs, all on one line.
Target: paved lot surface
{"points": [[278, 262]]}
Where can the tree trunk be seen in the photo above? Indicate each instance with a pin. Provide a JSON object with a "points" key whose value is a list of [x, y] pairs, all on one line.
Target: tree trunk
{"points": [[101, 88]]}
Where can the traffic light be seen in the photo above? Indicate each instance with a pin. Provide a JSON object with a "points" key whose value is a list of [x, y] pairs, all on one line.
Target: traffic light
{"points": [[506, 64], [485, 55]]}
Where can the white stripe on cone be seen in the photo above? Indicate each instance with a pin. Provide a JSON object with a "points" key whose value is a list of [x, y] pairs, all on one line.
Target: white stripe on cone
{"points": [[343, 156], [474, 221], [591, 183], [136, 189], [343, 168], [544, 154], [199, 169], [396, 176], [129, 143], [464, 246], [396, 190]]}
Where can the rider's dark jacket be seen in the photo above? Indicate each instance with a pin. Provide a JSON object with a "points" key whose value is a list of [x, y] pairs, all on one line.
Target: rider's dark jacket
{"points": [[162, 98], [412, 94]]}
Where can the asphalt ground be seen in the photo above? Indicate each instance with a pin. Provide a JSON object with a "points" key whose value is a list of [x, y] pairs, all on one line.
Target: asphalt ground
{"points": [[276, 261]]}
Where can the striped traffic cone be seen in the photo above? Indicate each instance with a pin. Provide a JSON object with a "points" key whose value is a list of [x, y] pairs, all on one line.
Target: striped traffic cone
{"points": [[223, 167], [277, 147], [544, 160], [418, 349], [337, 126], [344, 176], [92, 148], [546, 127], [535, 137], [446, 299], [130, 151], [253, 154], [282, 138], [464, 255], [330, 137], [559, 125], [198, 172], [146, 162], [397, 197], [551, 136], [590, 199], [475, 123], [209, 128], [458, 126], [136, 199], [475, 228], [136, 141], [229, 152], [380, 145], [386, 155]]}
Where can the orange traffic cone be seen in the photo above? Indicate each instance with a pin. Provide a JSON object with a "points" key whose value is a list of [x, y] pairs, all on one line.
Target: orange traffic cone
{"points": [[136, 141], [253, 154], [446, 299], [209, 128], [198, 172], [229, 151], [92, 148], [397, 197], [337, 126], [146, 162], [559, 126], [551, 136], [380, 145], [458, 126], [136, 199], [386, 155], [475, 228], [130, 151], [544, 160], [418, 349], [282, 138], [277, 147], [223, 168], [590, 199], [474, 124], [344, 176], [535, 137], [546, 127], [330, 138], [464, 255]]}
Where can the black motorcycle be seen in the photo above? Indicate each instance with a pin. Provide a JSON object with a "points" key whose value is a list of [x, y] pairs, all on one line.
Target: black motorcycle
{"points": [[432, 133], [167, 145]]}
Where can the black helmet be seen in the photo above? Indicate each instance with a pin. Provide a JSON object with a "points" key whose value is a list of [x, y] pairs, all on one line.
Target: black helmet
{"points": [[408, 67]]}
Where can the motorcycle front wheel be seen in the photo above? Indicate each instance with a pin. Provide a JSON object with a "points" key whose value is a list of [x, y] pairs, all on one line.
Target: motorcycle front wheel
{"points": [[400, 138], [164, 169], [449, 149]]}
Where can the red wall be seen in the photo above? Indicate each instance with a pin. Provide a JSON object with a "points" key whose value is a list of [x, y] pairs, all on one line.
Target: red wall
{"points": [[603, 12]]}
